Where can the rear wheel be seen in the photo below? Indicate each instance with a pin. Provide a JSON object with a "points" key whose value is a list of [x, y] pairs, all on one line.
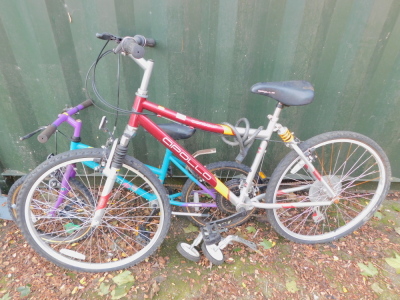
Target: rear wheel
{"points": [[13, 196], [356, 169], [135, 223], [80, 198]]}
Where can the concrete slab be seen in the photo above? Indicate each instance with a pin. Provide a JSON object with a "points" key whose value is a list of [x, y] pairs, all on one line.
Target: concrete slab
{"points": [[4, 214]]}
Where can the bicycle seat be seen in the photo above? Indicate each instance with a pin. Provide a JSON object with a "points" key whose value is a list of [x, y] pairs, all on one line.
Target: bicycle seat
{"points": [[177, 131], [290, 93]]}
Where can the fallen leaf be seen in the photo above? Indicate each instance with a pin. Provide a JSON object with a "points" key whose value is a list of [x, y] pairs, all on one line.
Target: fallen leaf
{"points": [[267, 244], [190, 228], [6, 297], [119, 292], [154, 289], [74, 290], [291, 286], [24, 290], [124, 277], [104, 289], [394, 262], [376, 288], [369, 270], [251, 229]]}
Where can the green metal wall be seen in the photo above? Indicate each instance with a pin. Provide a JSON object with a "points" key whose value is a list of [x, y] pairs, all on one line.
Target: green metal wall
{"points": [[209, 53]]}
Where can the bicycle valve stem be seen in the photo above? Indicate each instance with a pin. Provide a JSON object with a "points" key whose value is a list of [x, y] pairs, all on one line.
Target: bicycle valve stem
{"points": [[285, 134]]}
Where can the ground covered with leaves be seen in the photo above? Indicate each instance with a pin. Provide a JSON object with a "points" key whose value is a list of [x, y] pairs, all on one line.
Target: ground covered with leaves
{"points": [[363, 265]]}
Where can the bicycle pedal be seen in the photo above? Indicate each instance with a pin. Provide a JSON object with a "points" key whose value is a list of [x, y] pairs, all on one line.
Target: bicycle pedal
{"points": [[211, 233]]}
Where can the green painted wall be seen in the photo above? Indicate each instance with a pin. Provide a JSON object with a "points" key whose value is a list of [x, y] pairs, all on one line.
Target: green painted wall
{"points": [[209, 53]]}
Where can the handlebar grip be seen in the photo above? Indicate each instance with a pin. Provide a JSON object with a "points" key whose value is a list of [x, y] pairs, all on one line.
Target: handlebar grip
{"points": [[130, 46], [87, 103], [143, 41], [47, 133], [150, 42]]}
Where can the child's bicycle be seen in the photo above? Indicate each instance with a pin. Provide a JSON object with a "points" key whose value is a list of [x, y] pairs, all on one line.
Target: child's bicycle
{"points": [[198, 206], [324, 189]]}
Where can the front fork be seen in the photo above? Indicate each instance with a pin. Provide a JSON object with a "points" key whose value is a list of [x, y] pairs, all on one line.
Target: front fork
{"points": [[111, 170]]}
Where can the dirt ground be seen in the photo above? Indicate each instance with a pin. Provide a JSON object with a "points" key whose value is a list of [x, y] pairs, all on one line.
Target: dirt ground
{"points": [[363, 265]]}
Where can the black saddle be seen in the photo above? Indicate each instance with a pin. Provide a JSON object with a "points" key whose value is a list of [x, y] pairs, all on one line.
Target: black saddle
{"points": [[290, 93], [177, 131]]}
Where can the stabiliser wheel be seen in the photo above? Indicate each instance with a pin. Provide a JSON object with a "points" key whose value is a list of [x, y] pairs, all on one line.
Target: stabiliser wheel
{"points": [[213, 253], [187, 252]]}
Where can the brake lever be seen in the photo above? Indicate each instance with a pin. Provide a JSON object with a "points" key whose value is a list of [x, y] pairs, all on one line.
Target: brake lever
{"points": [[108, 37], [32, 133]]}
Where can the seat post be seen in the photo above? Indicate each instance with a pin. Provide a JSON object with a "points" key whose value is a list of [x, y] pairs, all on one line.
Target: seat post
{"points": [[273, 120]]}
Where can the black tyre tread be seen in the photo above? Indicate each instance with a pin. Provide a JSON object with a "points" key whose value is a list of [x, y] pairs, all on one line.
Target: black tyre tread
{"points": [[87, 153], [212, 167], [284, 163]]}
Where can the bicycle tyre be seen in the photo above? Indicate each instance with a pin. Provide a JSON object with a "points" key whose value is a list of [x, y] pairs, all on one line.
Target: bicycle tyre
{"points": [[12, 197], [226, 171], [130, 231], [356, 168]]}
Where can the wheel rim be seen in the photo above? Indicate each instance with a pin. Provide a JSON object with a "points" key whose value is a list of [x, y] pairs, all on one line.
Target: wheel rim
{"points": [[353, 204], [14, 202], [123, 237]]}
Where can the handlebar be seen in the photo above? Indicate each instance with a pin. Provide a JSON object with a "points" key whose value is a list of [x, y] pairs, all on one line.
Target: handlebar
{"points": [[49, 130], [129, 45]]}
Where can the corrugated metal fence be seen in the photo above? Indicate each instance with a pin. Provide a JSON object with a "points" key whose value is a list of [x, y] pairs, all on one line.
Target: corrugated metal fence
{"points": [[209, 53]]}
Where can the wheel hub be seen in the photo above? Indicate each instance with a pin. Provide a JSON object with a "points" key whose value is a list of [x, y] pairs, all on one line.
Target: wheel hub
{"points": [[318, 193]]}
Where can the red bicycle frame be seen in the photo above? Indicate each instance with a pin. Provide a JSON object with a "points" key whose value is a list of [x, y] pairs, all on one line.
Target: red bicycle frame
{"points": [[136, 120]]}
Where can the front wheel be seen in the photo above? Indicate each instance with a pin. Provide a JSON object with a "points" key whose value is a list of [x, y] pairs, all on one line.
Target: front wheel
{"points": [[356, 169], [135, 222]]}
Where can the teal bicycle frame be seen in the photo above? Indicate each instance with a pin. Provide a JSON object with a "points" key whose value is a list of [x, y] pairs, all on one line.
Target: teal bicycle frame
{"points": [[162, 172]]}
